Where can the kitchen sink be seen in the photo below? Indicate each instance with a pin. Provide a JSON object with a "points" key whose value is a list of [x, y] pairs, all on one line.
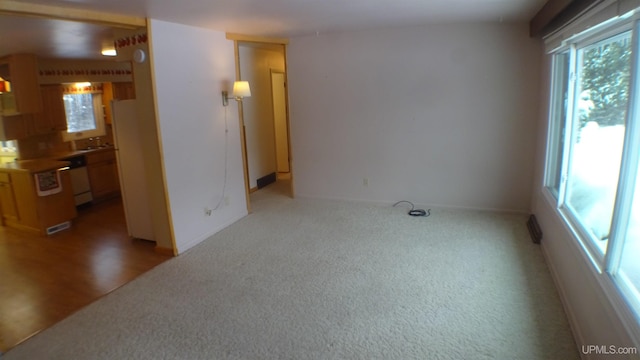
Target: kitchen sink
{"points": [[95, 147]]}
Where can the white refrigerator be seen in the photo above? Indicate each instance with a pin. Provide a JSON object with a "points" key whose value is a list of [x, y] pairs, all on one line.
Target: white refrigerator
{"points": [[131, 169]]}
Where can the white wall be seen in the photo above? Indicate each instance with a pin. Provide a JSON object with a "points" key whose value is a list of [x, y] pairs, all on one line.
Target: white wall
{"points": [[189, 78], [591, 304], [256, 61], [149, 140], [438, 115]]}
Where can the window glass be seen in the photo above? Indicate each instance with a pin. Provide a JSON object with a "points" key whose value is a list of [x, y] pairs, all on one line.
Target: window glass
{"points": [[85, 115], [599, 114], [559, 105], [8, 146], [629, 264], [80, 112]]}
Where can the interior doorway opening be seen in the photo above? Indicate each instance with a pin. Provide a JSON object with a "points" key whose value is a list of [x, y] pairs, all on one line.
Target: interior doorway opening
{"points": [[264, 117]]}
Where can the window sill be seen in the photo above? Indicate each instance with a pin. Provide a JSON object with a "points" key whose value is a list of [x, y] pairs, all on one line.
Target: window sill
{"points": [[603, 280]]}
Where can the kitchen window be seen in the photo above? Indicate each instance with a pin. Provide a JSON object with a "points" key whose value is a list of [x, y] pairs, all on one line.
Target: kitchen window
{"points": [[8, 146], [593, 152], [84, 111]]}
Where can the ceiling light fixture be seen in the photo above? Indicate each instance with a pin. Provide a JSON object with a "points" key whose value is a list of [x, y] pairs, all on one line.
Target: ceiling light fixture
{"points": [[109, 52], [240, 90]]}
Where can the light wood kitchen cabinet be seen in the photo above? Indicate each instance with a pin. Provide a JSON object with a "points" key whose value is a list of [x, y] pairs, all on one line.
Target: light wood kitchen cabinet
{"points": [[23, 209], [21, 71], [123, 91], [103, 174], [14, 127], [52, 118], [115, 91], [18, 106], [7, 200]]}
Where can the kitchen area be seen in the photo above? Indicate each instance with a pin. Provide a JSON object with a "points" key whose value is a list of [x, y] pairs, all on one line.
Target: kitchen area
{"points": [[81, 213], [58, 151]]}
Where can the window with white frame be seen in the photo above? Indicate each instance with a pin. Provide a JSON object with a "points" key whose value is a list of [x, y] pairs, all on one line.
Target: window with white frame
{"points": [[593, 153], [84, 112]]}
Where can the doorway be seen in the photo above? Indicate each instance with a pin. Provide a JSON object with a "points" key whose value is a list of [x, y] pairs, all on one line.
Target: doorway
{"points": [[264, 115]]}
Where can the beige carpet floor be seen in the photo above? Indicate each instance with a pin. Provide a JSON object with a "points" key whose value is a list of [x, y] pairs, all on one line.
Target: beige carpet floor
{"points": [[320, 279]]}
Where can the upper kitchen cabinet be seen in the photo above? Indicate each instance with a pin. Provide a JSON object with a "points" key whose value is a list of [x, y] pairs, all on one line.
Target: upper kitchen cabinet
{"points": [[53, 118], [124, 91], [116, 91], [21, 72], [20, 98]]}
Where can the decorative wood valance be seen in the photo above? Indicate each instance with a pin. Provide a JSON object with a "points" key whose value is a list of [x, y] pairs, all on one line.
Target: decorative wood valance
{"points": [[69, 71], [556, 14], [84, 89], [132, 40]]}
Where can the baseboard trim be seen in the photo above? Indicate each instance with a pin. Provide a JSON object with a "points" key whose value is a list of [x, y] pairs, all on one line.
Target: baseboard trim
{"points": [[266, 180]]}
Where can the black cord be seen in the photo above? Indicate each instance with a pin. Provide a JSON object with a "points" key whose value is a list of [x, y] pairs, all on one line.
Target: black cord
{"points": [[414, 211], [226, 146]]}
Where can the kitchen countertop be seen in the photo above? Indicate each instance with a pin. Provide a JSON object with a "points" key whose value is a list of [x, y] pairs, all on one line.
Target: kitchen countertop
{"points": [[68, 154], [54, 161], [34, 166]]}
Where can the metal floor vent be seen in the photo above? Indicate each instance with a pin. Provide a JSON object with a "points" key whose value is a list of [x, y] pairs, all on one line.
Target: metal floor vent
{"points": [[55, 228], [534, 229]]}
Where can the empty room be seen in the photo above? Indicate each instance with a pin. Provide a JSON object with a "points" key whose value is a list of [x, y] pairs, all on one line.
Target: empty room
{"points": [[320, 180]]}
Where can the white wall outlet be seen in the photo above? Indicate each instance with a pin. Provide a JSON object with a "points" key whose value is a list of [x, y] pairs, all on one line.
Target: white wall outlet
{"points": [[227, 201], [207, 211], [365, 182]]}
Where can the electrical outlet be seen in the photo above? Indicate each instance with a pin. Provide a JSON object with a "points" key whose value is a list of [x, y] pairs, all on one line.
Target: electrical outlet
{"points": [[207, 211], [226, 201], [365, 182]]}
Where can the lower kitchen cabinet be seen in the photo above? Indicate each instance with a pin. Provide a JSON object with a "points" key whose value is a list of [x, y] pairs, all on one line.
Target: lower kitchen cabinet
{"points": [[103, 174], [7, 199], [23, 208]]}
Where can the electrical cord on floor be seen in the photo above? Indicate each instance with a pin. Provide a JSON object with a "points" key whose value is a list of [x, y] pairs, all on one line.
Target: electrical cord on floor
{"points": [[414, 211]]}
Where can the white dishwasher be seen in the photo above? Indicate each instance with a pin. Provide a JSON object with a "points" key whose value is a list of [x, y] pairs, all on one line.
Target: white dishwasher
{"points": [[79, 179]]}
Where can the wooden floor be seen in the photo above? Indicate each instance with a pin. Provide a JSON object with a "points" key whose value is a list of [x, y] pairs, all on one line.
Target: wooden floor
{"points": [[45, 279]]}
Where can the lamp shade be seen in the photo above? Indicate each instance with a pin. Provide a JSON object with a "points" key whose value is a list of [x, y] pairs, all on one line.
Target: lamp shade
{"points": [[241, 89]]}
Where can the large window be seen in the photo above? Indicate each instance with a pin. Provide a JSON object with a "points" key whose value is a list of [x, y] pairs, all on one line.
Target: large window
{"points": [[593, 151]]}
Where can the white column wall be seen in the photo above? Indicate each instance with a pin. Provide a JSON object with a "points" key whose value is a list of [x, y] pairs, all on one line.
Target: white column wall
{"points": [[191, 68]]}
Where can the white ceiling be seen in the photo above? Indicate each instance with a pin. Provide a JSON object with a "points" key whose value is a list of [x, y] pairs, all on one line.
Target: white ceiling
{"points": [[279, 18]]}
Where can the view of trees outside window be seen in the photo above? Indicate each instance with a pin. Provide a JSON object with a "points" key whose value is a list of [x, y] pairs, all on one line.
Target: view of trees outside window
{"points": [[80, 113], [598, 134], [593, 158], [598, 139], [606, 71]]}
